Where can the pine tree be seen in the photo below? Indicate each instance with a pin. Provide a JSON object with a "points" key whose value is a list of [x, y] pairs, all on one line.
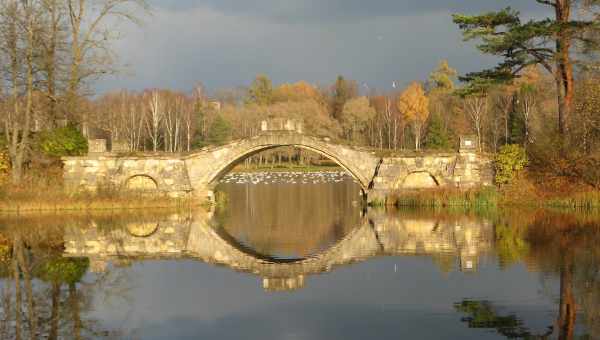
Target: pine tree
{"points": [[437, 137], [548, 42], [220, 131]]}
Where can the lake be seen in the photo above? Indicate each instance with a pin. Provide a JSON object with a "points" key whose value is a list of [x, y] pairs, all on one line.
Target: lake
{"points": [[293, 255]]}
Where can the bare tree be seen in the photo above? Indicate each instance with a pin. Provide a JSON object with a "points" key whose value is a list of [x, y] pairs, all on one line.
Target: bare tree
{"points": [[155, 117], [475, 107], [90, 36], [20, 34]]}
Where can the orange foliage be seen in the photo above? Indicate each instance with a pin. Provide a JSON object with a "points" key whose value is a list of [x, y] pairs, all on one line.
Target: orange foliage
{"points": [[295, 92]]}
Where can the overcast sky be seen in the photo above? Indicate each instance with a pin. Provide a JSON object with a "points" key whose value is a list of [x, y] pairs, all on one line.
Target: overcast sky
{"points": [[225, 43]]}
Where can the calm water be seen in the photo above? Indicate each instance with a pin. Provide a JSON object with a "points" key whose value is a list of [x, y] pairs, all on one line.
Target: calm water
{"points": [[295, 256]]}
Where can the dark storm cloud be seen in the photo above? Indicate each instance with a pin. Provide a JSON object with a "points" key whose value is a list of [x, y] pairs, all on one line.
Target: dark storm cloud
{"points": [[225, 43], [320, 10]]}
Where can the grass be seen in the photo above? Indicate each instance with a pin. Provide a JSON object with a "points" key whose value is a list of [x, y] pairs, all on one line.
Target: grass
{"points": [[485, 197], [582, 200], [519, 195], [46, 193]]}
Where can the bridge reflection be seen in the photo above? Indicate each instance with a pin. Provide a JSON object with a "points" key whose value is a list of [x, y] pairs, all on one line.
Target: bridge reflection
{"points": [[462, 240]]}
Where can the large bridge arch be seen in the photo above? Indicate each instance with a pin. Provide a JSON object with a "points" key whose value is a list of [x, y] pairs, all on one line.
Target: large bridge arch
{"points": [[206, 167]]}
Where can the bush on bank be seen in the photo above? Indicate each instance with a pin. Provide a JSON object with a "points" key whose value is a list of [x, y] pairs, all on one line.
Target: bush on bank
{"points": [[509, 161], [64, 141]]}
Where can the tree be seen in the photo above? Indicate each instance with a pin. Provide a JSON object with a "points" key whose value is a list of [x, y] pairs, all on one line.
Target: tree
{"points": [[90, 35], [587, 113], [437, 136], [65, 141], [220, 131], [414, 105], [342, 91], [522, 44], [298, 91], [440, 87], [355, 117], [442, 78], [20, 20], [475, 106], [261, 91], [510, 160], [154, 120]]}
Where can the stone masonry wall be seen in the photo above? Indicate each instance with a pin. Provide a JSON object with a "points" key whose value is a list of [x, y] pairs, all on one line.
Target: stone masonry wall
{"points": [[459, 170], [169, 174]]}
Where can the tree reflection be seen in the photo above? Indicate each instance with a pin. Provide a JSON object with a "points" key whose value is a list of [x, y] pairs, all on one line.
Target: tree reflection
{"points": [[482, 314], [562, 245], [42, 296], [567, 245]]}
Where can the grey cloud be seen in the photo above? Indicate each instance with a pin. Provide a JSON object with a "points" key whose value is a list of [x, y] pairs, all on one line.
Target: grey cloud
{"points": [[225, 43], [297, 11]]}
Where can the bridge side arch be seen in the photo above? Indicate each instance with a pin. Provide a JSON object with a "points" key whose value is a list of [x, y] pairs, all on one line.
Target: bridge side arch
{"points": [[418, 180]]}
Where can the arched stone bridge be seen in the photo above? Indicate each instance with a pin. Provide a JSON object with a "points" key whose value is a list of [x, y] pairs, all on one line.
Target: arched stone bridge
{"points": [[193, 237], [197, 173]]}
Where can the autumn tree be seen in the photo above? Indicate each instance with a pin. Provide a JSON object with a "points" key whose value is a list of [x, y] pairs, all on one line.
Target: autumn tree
{"points": [[295, 92], [548, 42], [355, 117], [442, 78], [587, 113], [261, 91], [414, 106]]}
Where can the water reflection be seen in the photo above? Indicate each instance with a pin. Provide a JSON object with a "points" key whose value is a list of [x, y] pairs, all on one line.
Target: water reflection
{"points": [[201, 273], [281, 220]]}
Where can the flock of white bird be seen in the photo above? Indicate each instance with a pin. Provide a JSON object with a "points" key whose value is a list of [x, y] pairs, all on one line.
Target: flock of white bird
{"points": [[286, 177]]}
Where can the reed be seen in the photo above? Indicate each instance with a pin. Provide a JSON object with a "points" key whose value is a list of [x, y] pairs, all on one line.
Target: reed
{"points": [[491, 198], [43, 194], [485, 197]]}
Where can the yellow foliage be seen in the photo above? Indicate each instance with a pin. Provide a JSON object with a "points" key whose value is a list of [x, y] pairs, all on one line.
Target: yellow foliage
{"points": [[295, 92], [414, 104], [4, 166]]}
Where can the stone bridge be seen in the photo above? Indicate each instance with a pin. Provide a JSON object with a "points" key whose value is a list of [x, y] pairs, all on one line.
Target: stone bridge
{"points": [[198, 173], [194, 237]]}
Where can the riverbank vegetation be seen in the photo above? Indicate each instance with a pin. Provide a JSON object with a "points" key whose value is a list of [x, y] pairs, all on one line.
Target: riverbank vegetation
{"points": [[547, 73]]}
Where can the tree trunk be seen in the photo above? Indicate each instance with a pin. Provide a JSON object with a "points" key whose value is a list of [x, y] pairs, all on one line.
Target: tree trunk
{"points": [[25, 269], [564, 67], [18, 299], [567, 308], [74, 302], [54, 316]]}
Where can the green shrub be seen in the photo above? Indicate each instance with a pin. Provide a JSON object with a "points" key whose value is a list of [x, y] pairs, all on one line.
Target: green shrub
{"points": [[64, 141], [509, 161]]}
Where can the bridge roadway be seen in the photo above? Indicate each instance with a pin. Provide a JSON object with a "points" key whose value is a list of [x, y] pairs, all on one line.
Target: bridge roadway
{"points": [[185, 237], [199, 172]]}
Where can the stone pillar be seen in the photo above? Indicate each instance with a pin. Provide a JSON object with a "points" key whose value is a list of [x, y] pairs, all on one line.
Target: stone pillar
{"points": [[96, 146]]}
